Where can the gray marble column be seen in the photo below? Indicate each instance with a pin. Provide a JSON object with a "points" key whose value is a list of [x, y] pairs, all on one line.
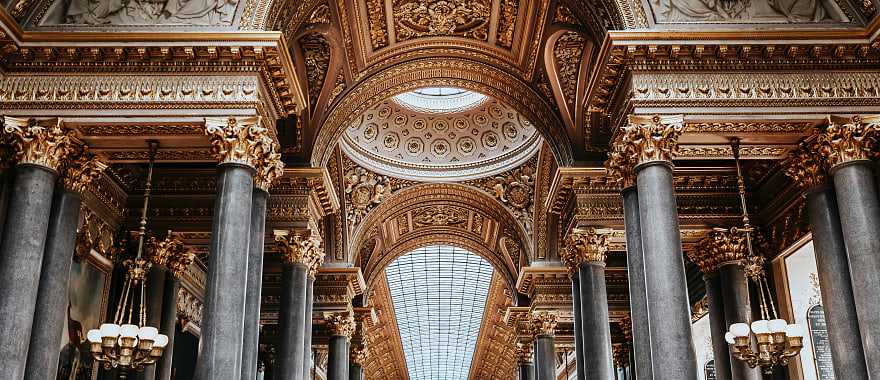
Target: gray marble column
{"points": [[860, 222], [307, 344], [355, 371], [737, 308], [638, 301], [666, 286], [155, 299], [837, 288], [169, 325], [718, 325], [251, 344], [341, 328], [223, 311], [526, 371], [578, 324], [52, 300], [545, 357], [291, 319], [595, 322], [21, 258]]}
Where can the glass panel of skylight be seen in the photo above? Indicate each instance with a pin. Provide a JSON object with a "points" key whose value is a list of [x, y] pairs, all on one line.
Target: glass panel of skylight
{"points": [[439, 296], [440, 99]]}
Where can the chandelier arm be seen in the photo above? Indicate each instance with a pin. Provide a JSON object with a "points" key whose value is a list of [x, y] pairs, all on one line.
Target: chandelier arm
{"points": [[769, 295], [120, 309], [143, 307]]}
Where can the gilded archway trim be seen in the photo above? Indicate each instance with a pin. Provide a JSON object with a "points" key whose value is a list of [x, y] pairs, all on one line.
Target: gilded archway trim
{"points": [[454, 72]]}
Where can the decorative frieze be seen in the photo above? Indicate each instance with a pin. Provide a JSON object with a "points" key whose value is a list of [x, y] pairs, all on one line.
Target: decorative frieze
{"points": [[805, 166], [240, 141], [589, 245], [650, 138], [846, 140], [340, 324], [44, 143]]}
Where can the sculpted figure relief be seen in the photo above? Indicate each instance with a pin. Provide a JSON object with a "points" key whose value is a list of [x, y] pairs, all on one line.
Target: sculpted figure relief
{"points": [[142, 12], [792, 11]]}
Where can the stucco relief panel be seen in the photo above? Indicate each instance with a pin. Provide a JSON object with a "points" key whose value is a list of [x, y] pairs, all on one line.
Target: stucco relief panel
{"points": [[747, 11], [141, 12]]}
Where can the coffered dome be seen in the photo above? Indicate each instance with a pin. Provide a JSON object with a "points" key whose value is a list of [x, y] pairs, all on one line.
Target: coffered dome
{"points": [[440, 134]]}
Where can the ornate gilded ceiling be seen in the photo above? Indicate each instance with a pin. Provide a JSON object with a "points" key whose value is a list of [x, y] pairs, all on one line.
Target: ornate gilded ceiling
{"points": [[394, 140]]}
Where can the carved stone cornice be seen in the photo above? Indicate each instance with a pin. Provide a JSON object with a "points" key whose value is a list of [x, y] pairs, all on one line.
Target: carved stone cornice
{"points": [[805, 166], [846, 140], [650, 138], [720, 247], [549, 287], [171, 253], [336, 287], [340, 324], [300, 247], [43, 143], [587, 245], [78, 173], [241, 141], [544, 323]]}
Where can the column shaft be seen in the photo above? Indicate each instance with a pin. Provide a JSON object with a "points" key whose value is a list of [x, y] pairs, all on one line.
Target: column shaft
{"points": [[292, 321], [578, 325], [21, 257], [169, 325], [526, 371], [337, 362], [718, 326], [545, 357], [251, 343], [594, 316], [737, 308], [638, 298], [836, 285], [52, 302], [223, 317], [355, 372], [307, 344], [860, 220], [668, 306], [155, 299]]}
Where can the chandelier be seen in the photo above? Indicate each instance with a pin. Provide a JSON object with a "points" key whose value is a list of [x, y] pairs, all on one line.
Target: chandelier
{"points": [[777, 341], [128, 342]]}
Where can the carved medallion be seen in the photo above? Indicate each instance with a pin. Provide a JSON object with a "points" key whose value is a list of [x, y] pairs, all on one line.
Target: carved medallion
{"points": [[418, 18]]}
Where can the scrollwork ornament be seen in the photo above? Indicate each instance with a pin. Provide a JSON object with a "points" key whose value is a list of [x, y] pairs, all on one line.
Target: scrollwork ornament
{"points": [[847, 140], [78, 172], [544, 323], [523, 352], [299, 247], [720, 246], [44, 143], [364, 190], [585, 245], [652, 139], [171, 253], [238, 140], [269, 168], [341, 324], [805, 166]]}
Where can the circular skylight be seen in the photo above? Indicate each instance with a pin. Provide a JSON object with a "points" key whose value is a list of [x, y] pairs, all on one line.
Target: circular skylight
{"points": [[440, 99]]}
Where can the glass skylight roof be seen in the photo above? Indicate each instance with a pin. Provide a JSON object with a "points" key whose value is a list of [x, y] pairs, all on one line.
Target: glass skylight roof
{"points": [[439, 295], [440, 99]]}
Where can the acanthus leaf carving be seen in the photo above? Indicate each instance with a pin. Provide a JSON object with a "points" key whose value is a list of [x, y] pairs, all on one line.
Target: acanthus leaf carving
{"points": [[417, 18]]}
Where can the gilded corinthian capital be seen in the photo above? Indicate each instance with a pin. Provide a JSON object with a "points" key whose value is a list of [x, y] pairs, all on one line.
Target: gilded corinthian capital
{"points": [[719, 247], [171, 253], [847, 140], [269, 168], [300, 247], [340, 324], [78, 172], [239, 140], [523, 352], [619, 165], [544, 323], [44, 143], [650, 138], [585, 245], [805, 165]]}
